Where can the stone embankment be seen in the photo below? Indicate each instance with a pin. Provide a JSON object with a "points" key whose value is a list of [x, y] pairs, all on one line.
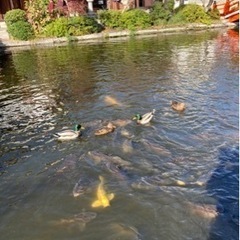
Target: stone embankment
{"points": [[6, 42]]}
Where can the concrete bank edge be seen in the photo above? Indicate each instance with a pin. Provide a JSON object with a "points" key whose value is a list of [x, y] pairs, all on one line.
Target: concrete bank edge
{"points": [[105, 35]]}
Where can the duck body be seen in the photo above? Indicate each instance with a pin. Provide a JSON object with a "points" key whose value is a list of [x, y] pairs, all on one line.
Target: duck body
{"points": [[69, 134], [145, 118], [105, 130], [178, 106]]}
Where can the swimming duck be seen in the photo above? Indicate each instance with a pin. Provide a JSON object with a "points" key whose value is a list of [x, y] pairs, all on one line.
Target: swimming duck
{"points": [[105, 130], [178, 106], [144, 119], [69, 134]]}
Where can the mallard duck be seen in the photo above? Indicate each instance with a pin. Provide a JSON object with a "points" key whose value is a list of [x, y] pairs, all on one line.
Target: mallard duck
{"points": [[69, 134], [144, 119], [105, 130], [178, 106]]}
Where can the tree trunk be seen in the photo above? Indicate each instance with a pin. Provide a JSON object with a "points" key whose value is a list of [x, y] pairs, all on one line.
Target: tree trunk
{"points": [[208, 7], [181, 2]]}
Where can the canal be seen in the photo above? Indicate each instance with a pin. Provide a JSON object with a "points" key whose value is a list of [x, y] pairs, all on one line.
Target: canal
{"points": [[175, 178]]}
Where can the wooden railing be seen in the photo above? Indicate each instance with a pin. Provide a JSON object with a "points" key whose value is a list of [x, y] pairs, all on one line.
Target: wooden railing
{"points": [[229, 10]]}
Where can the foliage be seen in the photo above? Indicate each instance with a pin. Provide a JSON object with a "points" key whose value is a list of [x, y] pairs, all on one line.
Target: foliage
{"points": [[57, 28], [14, 16], [135, 19], [191, 13], [17, 25], [131, 20], [214, 14], [21, 30], [159, 13], [177, 20], [169, 5], [37, 13], [109, 18], [74, 26]]}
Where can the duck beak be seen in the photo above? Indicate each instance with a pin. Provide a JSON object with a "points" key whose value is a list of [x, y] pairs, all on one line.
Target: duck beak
{"points": [[134, 118], [82, 128]]}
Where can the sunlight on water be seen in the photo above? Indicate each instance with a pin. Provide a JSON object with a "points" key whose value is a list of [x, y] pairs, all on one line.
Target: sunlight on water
{"points": [[174, 179]]}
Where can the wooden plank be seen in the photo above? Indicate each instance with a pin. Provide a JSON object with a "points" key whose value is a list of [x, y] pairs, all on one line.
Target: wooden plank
{"points": [[232, 14]]}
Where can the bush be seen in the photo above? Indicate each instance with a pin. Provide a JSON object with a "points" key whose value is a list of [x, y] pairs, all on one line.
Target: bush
{"points": [[82, 25], [17, 25], [169, 5], [14, 16], [191, 13], [57, 28], [37, 14], [177, 20], [21, 30], [75, 26], [109, 18], [214, 14], [135, 19], [159, 14]]}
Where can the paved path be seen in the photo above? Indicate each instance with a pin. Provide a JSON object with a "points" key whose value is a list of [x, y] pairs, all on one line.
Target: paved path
{"points": [[3, 31]]}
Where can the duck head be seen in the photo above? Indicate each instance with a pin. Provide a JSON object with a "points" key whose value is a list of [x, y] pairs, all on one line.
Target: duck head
{"points": [[137, 117], [77, 127]]}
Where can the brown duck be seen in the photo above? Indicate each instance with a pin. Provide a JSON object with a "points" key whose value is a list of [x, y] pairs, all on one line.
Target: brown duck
{"points": [[178, 106], [105, 130]]}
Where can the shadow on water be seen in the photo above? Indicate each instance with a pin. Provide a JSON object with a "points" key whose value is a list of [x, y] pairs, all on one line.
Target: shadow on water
{"points": [[2, 48], [224, 187]]}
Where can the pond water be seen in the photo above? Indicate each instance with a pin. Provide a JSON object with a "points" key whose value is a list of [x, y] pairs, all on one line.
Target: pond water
{"points": [[174, 179]]}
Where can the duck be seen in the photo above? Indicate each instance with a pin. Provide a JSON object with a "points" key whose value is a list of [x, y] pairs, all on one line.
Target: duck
{"points": [[178, 106], [105, 130], [145, 118], [69, 134]]}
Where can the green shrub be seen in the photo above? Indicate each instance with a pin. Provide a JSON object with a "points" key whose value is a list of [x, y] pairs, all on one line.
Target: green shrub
{"points": [[21, 30], [159, 13], [169, 5], [177, 20], [17, 25], [135, 19], [131, 20], [57, 28], [192, 13], [14, 16], [82, 25], [74, 26], [109, 18]]}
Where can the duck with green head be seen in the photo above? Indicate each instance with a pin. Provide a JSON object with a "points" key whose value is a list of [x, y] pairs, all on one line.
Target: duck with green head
{"points": [[69, 134], [145, 118]]}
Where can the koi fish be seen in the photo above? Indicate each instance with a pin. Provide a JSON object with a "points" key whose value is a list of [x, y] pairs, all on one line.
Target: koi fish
{"points": [[78, 221], [103, 199], [207, 211], [112, 101]]}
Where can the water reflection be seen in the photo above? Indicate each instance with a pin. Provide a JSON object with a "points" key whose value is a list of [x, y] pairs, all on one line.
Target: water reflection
{"points": [[163, 183], [224, 186]]}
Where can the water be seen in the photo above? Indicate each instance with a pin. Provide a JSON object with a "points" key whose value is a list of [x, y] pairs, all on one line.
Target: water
{"points": [[182, 178]]}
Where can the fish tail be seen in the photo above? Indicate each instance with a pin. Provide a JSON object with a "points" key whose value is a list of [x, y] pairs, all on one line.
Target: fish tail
{"points": [[101, 178]]}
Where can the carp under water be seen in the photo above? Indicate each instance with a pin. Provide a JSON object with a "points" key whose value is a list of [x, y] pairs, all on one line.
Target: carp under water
{"points": [[174, 178]]}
